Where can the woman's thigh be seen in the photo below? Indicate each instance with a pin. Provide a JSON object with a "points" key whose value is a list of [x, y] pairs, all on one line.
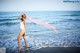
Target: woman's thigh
{"points": [[21, 33]]}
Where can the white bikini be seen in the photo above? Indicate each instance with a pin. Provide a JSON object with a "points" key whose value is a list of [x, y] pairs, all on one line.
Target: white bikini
{"points": [[22, 25]]}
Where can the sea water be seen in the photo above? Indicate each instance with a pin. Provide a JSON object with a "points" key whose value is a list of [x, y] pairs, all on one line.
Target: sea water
{"points": [[38, 36]]}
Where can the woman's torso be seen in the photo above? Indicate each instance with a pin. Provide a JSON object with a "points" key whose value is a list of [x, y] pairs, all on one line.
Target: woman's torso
{"points": [[22, 27]]}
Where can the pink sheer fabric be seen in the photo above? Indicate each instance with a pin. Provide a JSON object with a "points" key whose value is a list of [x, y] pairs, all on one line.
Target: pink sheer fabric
{"points": [[44, 24]]}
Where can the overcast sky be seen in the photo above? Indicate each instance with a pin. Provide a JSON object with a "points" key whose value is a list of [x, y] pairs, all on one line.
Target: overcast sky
{"points": [[38, 5]]}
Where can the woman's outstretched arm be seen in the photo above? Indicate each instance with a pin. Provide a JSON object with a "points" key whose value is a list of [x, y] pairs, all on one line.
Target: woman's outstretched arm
{"points": [[42, 23]]}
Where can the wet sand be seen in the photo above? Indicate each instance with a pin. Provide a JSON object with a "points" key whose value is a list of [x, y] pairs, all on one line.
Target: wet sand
{"points": [[57, 50], [52, 50]]}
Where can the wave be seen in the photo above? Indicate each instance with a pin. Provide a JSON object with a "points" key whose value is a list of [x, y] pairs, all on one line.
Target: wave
{"points": [[69, 20], [9, 23], [73, 19], [69, 15], [7, 20]]}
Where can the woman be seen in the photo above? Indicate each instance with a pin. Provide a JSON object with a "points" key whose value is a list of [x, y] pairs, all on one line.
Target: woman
{"points": [[23, 27], [22, 30]]}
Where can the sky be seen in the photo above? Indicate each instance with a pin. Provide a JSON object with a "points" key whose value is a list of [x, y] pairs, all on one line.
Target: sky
{"points": [[38, 5]]}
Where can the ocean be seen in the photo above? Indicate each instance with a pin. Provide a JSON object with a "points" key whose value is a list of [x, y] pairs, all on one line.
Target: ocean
{"points": [[38, 36]]}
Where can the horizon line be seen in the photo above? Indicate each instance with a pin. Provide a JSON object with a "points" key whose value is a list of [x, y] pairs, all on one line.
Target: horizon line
{"points": [[40, 10]]}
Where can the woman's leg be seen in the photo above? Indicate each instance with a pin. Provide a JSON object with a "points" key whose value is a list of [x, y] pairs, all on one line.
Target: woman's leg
{"points": [[19, 36], [24, 37]]}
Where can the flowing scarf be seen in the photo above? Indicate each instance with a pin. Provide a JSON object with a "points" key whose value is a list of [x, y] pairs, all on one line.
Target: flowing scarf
{"points": [[42, 23]]}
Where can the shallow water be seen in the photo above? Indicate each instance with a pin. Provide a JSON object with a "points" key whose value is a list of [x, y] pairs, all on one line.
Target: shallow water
{"points": [[67, 22]]}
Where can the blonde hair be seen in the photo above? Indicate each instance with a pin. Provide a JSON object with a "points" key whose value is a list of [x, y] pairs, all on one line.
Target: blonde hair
{"points": [[21, 17]]}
